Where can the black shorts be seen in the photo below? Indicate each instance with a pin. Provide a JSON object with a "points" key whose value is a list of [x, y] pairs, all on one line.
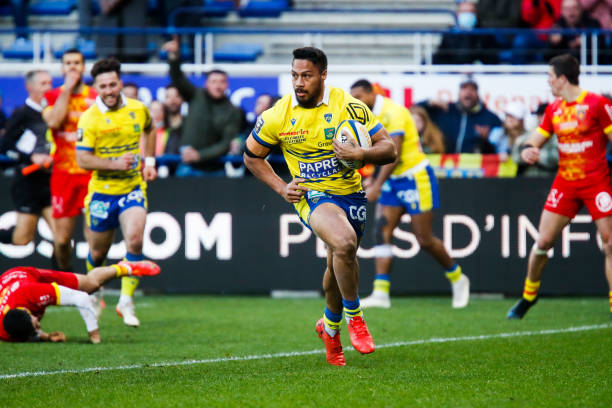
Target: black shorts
{"points": [[31, 193]]}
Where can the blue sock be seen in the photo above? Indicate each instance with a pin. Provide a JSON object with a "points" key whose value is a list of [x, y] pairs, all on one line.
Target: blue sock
{"points": [[351, 308], [452, 268], [134, 257], [332, 322]]}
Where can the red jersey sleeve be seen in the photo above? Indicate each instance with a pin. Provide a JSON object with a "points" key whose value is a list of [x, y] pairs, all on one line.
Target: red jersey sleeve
{"points": [[546, 126], [51, 96], [40, 295], [604, 114]]}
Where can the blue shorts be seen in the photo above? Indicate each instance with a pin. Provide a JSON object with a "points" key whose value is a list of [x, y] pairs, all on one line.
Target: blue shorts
{"points": [[353, 205], [417, 192], [102, 210]]}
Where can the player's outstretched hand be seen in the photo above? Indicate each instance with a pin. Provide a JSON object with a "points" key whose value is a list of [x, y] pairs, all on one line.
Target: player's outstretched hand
{"points": [[94, 336], [347, 151], [530, 155], [172, 47], [293, 191], [149, 173], [57, 337]]}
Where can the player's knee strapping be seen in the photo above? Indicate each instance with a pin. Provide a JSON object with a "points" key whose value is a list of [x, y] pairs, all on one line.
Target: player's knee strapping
{"points": [[538, 251]]}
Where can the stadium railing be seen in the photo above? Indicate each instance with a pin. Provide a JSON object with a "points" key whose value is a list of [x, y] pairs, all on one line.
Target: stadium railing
{"points": [[205, 37]]}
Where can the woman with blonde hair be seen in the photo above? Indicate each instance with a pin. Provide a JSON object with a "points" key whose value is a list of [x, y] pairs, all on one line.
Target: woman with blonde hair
{"points": [[432, 139]]}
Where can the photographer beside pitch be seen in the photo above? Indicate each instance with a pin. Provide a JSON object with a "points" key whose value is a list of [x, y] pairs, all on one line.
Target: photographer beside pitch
{"points": [[25, 293], [582, 121], [324, 192]]}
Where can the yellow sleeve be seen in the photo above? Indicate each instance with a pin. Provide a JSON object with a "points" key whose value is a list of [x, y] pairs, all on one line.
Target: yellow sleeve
{"points": [[148, 124], [86, 133], [399, 124], [266, 128]]}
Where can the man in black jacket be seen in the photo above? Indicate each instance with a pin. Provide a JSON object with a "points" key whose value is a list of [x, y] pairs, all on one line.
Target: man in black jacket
{"points": [[25, 141], [211, 123]]}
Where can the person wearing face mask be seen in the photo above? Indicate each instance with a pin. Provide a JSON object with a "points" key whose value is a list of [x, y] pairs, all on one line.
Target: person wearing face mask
{"points": [[467, 123], [458, 46], [211, 123]]}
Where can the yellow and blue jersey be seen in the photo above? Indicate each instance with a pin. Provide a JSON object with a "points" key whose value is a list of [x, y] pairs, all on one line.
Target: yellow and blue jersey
{"points": [[110, 134], [399, 123], [305, 137]]}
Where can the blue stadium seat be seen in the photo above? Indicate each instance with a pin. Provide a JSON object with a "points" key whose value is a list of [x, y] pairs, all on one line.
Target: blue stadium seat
{"points": [[20, 49], [87, 48], [218, 8], [231, 52], [52, 7], [263, 8]]}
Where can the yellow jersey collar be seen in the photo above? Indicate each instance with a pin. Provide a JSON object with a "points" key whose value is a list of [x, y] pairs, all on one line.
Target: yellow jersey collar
{"points": [[103, 108], [324, 101], [378, 105]]}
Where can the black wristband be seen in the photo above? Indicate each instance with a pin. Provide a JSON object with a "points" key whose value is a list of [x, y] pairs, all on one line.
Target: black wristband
{"points": [[525, 146]]}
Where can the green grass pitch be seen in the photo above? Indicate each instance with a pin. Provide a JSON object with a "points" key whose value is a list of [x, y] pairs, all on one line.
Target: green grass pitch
{"points": [[203, 351]]}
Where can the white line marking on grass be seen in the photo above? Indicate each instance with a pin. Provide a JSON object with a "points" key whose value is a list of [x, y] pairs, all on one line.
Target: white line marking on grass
{"points": [[310, 352]]}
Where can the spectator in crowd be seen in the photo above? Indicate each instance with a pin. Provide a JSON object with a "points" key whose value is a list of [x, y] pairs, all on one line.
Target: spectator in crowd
{"points": [[130, 90], [26, 142], [460, 46], [174, 120], [492, 14], [430, 135], [158, 119], [572, 17], [546, 166], [123, 14], [211, 123], [538, 15], [466, 124], [600, 10], [504, 137]]}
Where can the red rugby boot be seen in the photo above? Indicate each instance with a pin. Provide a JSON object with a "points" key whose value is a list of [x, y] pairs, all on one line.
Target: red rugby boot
{"points": [[360, 335], [333, 348], [141, 268]]}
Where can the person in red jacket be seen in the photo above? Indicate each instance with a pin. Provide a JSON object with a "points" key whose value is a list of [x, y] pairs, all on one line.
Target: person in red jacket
{"points": [[538, 15]]}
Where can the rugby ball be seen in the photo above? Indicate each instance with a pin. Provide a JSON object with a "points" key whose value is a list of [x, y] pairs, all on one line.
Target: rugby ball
{"points": [[353, 131]]}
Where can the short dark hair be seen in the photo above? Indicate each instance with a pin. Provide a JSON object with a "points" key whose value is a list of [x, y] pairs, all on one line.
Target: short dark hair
{"points": [[106, 65], [73, 51], [568, 65], [312, 54], [18, 324], [216, 71], [363, 83], [130, 85]]}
